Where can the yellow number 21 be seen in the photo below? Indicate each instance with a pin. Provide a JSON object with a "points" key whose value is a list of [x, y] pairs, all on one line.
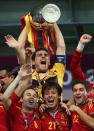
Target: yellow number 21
{"points": [[52, 125]]}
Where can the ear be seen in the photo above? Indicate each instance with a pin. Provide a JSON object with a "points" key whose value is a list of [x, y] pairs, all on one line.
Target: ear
{"points": [[33, 62], [59, 97], [21, 99], [12, 77]]}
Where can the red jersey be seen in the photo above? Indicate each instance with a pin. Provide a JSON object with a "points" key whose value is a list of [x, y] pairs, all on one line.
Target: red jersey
{"points": [[77, 123], [18, 121], [76, 70], [16, 100], [49, 124], [4, 125]]}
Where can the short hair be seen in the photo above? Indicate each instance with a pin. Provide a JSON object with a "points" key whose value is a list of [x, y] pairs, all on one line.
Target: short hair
{"points": [[40, 49], [14, 71], [30, 87], [49, 85], [80, 82], [6, 67], [10, 70]]}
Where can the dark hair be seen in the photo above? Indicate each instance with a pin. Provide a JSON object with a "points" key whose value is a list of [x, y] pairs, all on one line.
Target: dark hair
{"points": [[50, 85], [30, 87], [40, 49], [80, 82], [6, 67], [10, 70]]}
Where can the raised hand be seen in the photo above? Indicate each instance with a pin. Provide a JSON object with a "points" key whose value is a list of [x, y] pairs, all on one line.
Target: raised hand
{"points": [[11, 42], [29, 51], [25, 70], [28, 54], [85, 39]]}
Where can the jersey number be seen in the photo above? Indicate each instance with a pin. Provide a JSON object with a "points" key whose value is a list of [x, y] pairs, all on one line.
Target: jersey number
{"points": [[52, 125], [75, 119]]}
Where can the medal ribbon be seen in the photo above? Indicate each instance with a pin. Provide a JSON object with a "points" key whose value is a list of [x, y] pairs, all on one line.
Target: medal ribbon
{"points": [[54, 118], [32, 28], [52, 34], [29, 31], [44, 35], [38, 78], [51, 49], [35, 38], [25, 119]]}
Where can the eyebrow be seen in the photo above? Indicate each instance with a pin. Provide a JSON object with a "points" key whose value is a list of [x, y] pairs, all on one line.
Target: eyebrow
{"points": [[78, 89], [28, 93], [1, 77]]}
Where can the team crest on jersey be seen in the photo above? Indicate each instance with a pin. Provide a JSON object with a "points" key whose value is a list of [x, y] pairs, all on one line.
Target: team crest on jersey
{"points": [[43, 117], [51, 73], [35, 124], [63, 116]]}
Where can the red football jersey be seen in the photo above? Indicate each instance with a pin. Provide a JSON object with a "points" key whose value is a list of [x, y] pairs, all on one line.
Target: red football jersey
{"points": [[4, 125], [49, 124], [17, 119], [76, 70], [77, 123]]}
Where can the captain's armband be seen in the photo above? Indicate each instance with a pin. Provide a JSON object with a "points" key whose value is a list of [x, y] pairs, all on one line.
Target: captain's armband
{"points": [[61, 59]]}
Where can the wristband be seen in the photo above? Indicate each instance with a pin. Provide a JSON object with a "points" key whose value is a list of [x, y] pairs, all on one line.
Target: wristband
{"points": [[80, 47]]}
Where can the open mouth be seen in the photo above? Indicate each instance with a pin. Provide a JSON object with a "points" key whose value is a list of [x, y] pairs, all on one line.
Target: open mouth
{"points": [[43, 62], [78, 97], [31, 102], [51, 101]]}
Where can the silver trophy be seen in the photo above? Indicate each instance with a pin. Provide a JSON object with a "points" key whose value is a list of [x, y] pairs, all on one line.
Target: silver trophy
{"points": [[49, 13]]}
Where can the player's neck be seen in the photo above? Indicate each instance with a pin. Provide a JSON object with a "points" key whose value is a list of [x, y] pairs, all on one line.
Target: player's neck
{"points": [[40, 71], [27, 110], [53, 110]]}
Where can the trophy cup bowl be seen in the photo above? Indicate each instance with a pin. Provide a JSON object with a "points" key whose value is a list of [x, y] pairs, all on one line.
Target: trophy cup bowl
{"points": [[45, 15], [51, 13]]}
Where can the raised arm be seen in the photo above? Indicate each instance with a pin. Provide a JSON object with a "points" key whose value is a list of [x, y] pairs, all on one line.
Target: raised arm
{"points": [[18, 45], [24, 72], [86, 118], [61, 49], [77, 56], [20, 51], [26, 82], [13, 43], [23, 37], [28, 54]]}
